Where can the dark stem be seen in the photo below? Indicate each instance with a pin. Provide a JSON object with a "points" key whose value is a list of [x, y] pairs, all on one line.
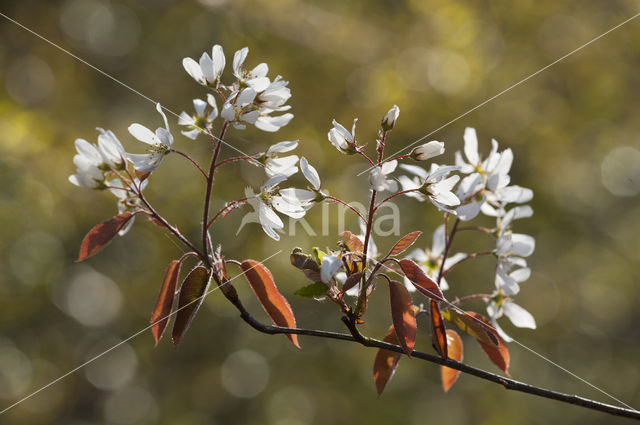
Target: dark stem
{"points": [[355, 336], [477, 228], [207, 196], [367, 236], [449, 241], [365, 156]]}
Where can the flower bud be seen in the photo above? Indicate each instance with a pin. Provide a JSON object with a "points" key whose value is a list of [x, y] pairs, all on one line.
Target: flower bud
{"points": [[427, 151], [389, 120]]}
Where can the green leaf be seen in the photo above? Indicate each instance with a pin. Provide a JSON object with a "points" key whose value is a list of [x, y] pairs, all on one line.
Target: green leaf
{"points": [[318, 255], [317, 289]]}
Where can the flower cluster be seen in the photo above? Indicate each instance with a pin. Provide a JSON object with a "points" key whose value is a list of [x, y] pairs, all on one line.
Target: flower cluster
{"points": [[251, 99]]}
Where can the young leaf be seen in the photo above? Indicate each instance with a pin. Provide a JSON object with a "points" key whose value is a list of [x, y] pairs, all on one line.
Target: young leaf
{"points": [[454, 348], [317, 289], [193, 288], [159, 318], [303, 261], [468, 323], [102, 234], [423, 283], [352, 242], [404, 243], [404, 319], [498, 355], [351, 281], [386, 362], [273, 302], [438, 332]]}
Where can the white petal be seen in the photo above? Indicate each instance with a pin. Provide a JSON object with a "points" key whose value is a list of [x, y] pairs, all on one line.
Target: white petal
{"points": [[219, 61], [238, 60], [193, 68], [272, 124], [246, 96], [268, 217], [522, 245], [199, 105], [428, 150], [518, 315], [310, 173], [89, 151], [143, 134], [330, 266], [283, 147], [260, 71], [185, 119], [468, 211], [471, 145], [389, 167], [515, 194], [414, 169], [206, 65], [259, 84], [521, 274]]}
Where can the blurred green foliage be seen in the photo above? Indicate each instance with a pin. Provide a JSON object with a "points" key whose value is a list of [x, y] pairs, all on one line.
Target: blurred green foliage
{"points": [[435, 59]]}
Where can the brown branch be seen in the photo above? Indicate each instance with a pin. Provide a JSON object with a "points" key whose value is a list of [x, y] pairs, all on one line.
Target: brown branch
{"points": [[355, 336]]}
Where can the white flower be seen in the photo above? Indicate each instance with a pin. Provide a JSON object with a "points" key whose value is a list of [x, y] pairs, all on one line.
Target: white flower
{"points": [[256, 78], [389, 120], [160, 144], [208, 71], [518, 316], [330, 266], [430, 260], [310, 174], [201, 121], [111, 149], [275, 165], [239, 107], [378, 177], [427, 151], [273, 99], [88, 161], [433, 185], [340, 137], [290, 201]]}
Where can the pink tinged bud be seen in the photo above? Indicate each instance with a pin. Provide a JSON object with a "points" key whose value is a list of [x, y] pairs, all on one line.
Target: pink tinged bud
{"points": [[390, 118], [427, 151]]}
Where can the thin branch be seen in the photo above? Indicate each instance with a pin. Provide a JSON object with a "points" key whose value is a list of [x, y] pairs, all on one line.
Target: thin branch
{"points": [[228, 206], [236, 158], [390, 197], [346, 204], [190, 160], [468, 257], [365, 156], [510, 384]]}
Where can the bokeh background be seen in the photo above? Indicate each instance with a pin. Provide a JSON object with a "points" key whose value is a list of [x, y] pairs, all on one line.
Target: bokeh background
{"points": [[574, 130]]}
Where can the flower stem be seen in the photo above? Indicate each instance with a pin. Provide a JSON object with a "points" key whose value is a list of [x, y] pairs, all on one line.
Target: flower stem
{"points": [[190, 160], [229, 206], [235, 158], [468, 257], [351, 207], [390, 197]]}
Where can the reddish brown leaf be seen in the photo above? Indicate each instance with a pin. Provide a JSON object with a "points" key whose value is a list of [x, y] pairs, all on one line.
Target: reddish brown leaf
{"points": [[438, 332], [102, 234], [191, 296], [159, 318], [404, 319], [423, 283], [454, 348], [273, 302], [351, 281], [468, 323], [352, 242], [498, 355], [142, 176], [386, 362], [405, 242]]}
